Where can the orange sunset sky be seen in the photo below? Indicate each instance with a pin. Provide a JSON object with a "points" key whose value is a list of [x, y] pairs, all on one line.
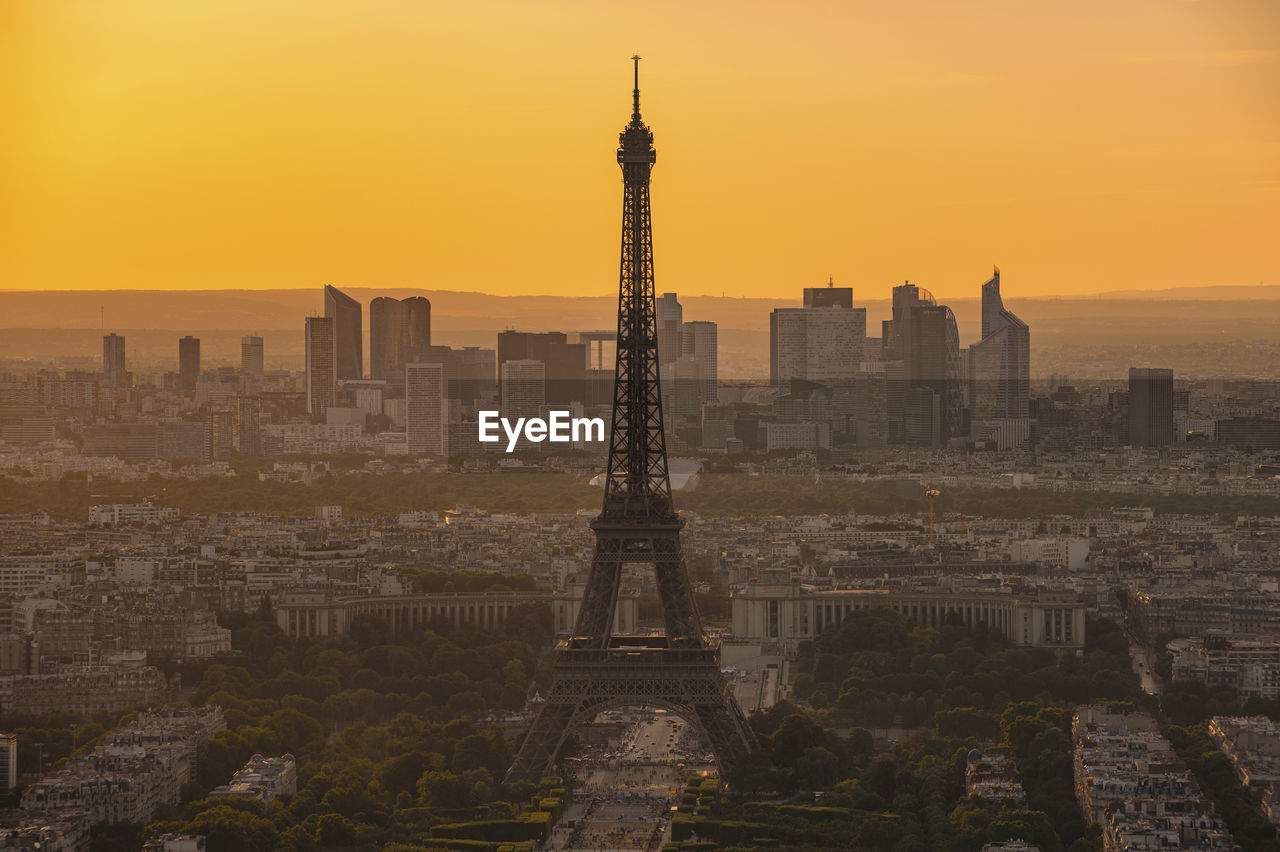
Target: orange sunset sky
{"points": [[1084, 145]]}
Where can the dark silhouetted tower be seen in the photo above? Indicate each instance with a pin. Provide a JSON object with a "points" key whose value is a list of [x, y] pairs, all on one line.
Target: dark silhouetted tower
{"points": [[348, 338], [596, 670], [1000, 363], [670, 319], [923, 338], [1150, 407], [188, 362], [113, 360], [251, 360], [399, 334], [321, 384], [565, 363]]}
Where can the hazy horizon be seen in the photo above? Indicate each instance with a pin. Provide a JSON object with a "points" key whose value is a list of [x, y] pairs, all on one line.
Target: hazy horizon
{"points": [[1204, 292]]}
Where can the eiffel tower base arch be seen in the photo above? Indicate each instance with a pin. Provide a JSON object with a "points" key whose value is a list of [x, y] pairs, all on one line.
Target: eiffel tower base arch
{"points": [[635, 671]]}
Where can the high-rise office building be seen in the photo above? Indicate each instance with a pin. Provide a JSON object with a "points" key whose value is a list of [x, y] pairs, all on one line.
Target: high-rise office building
{"points": [[1000, 363], [321, 366], [700, 340], [670, 321], [188, 362], [821, 343], [425, 408], [249, 425], [933, 363], [348, 335], [923, 336], [469, 376], [113, 364], [523, 388], [477, 371], [251, 361], [565, 363], [870, 407], [1150, 407], [399, 332]]}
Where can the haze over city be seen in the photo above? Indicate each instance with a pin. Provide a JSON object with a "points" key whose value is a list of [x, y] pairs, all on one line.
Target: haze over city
{"points": [[916, 488]]}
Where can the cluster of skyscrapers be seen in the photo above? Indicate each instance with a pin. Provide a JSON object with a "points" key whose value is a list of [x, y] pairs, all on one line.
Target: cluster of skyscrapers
{"points": [[914, 384], [399, 334], [833, 383]]}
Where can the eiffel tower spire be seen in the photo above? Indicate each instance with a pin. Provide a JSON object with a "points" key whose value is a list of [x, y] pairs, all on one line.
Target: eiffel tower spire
{"points": [[596, 669], [638, 485]]}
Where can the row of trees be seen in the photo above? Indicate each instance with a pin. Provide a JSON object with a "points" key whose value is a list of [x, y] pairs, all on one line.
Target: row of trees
{"points": [[893, 711], [394, 738], [718, 494], [879, 670], [392, 734]]}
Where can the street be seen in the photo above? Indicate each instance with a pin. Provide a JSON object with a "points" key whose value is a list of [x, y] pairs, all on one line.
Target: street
{"points": [[624, 790], [1143, 662]]}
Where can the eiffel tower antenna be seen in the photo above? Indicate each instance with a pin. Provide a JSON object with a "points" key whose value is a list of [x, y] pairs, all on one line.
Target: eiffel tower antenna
{"points": [[596, 669]]}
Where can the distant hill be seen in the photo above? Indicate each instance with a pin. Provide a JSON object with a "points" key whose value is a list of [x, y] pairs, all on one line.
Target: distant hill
{"points": [[247, 310], [1252, 292], [1091, 335]]}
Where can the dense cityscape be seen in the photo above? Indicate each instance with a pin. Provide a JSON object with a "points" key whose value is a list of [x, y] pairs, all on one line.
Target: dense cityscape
{"points": [[917, 588], [192, 544]]}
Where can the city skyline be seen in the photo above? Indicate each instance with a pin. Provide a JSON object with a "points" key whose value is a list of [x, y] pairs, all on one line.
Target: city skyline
{"points": [[653, 571], [1108, 148]]}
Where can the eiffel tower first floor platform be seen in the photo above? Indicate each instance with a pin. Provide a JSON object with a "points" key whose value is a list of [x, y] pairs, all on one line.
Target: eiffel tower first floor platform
{"points": [[635, 671]]}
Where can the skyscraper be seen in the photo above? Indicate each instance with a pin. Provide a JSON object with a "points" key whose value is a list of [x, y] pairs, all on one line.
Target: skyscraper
{"points": [[188, 362], [924, 338], [565, 363], [251, 361], [670, 317], [523, 388], [477, 374], [870, 407], [399, 332], [321, 366], [469, 372], [348, 337], [249, 425], [425, 406], [933, 363], [1150, 407], [821, 343], [683, 387], [700, 340], [113, 365], [1000, 363]]}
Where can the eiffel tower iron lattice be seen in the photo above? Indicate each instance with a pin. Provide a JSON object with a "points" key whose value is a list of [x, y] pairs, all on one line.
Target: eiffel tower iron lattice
{"points": [[595, 669]]}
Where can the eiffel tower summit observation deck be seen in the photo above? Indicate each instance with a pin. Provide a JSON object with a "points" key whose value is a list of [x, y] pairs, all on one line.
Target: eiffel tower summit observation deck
{"points": [[595, 669]]}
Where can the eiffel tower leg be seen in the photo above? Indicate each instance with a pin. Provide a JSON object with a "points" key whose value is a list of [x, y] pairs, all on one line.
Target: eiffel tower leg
{"points": [[674, 591], [726, 730], [541, 746], [600, 599]]}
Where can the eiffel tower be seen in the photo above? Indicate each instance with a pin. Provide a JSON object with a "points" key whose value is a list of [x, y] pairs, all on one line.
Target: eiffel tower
{"points": [[596, 669]]}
